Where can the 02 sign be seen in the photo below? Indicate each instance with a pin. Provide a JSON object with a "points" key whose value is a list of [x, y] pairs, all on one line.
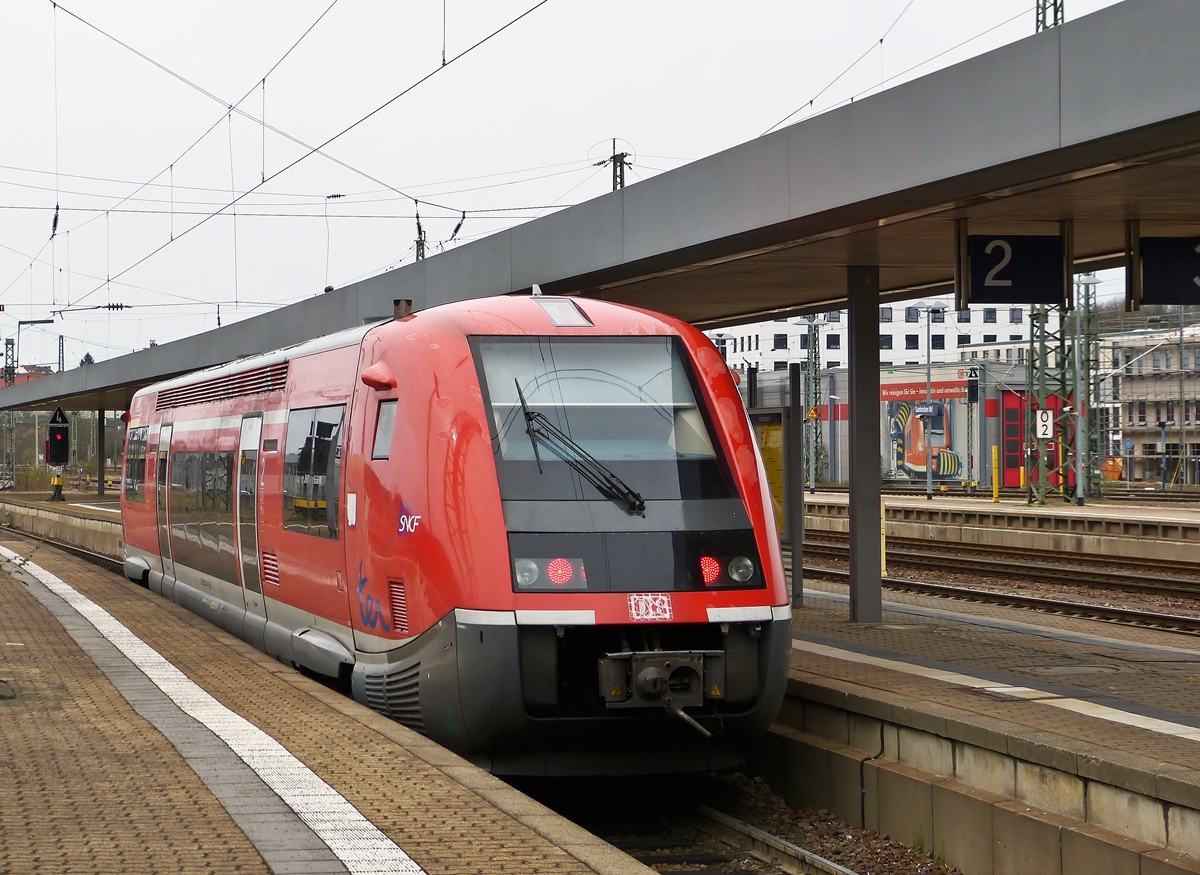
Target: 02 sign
{"points": [[1045, 424], [1016, 269]]}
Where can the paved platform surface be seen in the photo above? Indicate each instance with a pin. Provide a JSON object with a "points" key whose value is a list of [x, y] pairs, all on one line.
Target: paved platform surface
{"points": [[1125, 695], [135, 737], [87, 505]]}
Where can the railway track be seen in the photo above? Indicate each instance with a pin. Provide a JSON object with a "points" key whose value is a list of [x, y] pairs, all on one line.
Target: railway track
{"points": [[106, 562], [711, 841], [1107, 613], [1154, 496], [1146, 575]]}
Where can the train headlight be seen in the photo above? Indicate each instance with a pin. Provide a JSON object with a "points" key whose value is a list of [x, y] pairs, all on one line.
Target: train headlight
{"points": [[526, 572], [741, 569]]}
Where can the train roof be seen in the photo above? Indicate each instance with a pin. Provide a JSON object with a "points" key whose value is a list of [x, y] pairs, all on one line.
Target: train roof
{"points": [[336, 340], [502, 314]]}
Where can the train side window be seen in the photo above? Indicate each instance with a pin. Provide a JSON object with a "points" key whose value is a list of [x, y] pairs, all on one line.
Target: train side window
{"points": [[186, 514], [312, 470], [326, 470], [383, 430], [295, 484], [135, 464]]}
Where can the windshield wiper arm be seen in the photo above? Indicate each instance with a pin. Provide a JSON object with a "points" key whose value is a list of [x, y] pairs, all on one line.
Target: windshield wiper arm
{"points": [[587, 465], [529, 427], [538, 425]]}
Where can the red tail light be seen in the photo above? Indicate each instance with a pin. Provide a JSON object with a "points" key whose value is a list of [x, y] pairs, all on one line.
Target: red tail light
{"points": [[710, 570], [560, 571]]}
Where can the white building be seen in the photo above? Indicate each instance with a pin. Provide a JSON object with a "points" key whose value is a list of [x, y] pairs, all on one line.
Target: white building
{"points": [[982, 332]]}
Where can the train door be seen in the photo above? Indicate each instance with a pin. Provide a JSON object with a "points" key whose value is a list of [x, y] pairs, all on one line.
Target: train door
{"points": [[1012, 445], [247, 521], [163, 491]]}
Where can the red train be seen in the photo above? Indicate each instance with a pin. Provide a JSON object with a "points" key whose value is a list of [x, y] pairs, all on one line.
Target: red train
{"points": [[536, 529]]}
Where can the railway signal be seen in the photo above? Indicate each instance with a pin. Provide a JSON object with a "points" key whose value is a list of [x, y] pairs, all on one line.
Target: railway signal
{"points": [[58, 452]]}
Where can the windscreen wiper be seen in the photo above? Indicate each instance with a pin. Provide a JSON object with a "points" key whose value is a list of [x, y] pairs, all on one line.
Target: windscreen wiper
{"points": [[539, 427], [529, 429]]}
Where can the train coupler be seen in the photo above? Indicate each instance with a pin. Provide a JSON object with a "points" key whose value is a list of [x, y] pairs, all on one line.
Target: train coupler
{"points": [[673, 680]]}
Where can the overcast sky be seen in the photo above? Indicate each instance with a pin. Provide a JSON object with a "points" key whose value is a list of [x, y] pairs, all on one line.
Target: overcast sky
{"points": [[507, 132]]}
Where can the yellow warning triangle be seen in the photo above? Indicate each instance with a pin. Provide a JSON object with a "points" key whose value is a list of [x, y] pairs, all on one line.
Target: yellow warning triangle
{"points": [[616, 691], [715, 691], [812, 413]]}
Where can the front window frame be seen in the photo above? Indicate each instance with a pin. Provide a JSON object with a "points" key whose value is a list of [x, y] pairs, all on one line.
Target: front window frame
{"points": [[723, 471]]}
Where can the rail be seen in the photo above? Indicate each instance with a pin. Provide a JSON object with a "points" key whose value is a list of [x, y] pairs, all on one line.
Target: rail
{"points": [[764, 846]]}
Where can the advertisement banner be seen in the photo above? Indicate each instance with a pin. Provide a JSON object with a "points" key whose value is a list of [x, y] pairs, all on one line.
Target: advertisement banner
{"points": [[921, 433]]}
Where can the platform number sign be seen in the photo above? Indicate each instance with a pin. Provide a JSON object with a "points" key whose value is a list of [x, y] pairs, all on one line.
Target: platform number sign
{"points": [[58, 439], [1170, 270], [1015, 269], [1045, 425]]}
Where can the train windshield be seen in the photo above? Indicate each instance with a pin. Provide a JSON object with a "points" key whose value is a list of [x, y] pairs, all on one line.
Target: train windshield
{"points": [[628, 402]]}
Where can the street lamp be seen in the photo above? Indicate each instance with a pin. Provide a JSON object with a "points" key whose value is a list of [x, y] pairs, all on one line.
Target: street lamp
{"points": [[929, 310]]}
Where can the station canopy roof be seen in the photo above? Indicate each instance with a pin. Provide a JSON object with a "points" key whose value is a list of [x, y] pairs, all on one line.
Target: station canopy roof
{"points": [[1097, 121]]}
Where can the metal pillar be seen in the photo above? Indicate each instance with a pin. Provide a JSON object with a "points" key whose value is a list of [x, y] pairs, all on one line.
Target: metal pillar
{"points": [[10, 417], [751, 387], [1181, 409], [866, 596], [831, 397], [793, 485], [100, 452], [1089, 438], [812, 396], [1050, 374], [1050, 13], [927, 422]]}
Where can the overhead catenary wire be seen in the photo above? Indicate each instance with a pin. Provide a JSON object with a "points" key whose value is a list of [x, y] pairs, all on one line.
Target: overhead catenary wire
{"points": [[233, 210], [311, 200], [582, 163], [495, 212], [90, 276], [183, 79], [54, 27], [236, 107], [839, 76], [933, 58], [338, 135]]}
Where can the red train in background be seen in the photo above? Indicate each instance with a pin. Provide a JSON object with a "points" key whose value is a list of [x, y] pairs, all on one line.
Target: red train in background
{"points": [[536, 529]]}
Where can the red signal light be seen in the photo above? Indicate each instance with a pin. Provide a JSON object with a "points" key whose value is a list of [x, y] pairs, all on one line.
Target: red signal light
{"points": [[710, 570], [560, 571]]}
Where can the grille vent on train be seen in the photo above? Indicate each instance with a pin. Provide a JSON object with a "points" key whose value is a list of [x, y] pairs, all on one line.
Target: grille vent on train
{"points": [[399, 605], [259, 381], [398, 695], [270, 568]]}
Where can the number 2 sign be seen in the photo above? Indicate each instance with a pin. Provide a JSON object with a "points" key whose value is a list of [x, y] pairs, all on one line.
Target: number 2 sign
{"points": [[1016, 269]]}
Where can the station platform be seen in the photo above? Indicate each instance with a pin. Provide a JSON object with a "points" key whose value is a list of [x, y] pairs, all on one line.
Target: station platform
{"points": [[136, 737], [1120, 528], [84, 520], [1000, 739]]}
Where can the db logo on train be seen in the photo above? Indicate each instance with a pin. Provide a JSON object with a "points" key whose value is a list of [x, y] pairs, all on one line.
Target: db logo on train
{"points": [[649, 607]]}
